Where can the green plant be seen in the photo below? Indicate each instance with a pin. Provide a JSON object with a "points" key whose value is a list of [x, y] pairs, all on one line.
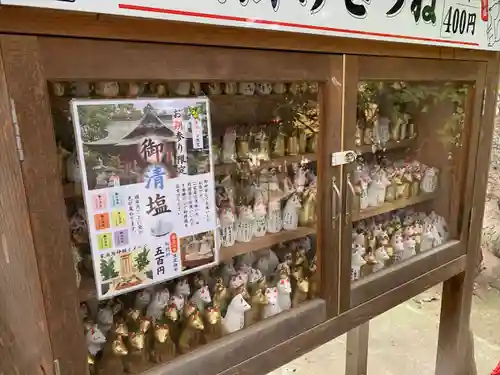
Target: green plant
{"points": [[425, 96], [451, 132], [141, 260], [369, 94], [305, 116], [94, 119], [198, 108], [108, 270], [300, 110], [409, 99]]}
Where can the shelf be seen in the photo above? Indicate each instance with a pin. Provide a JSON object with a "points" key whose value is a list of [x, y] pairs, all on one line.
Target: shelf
{"points": [[71, 190], [63, 101], [222, 169], [259, 97], [391, 206], [240, 248], [391, 145]]}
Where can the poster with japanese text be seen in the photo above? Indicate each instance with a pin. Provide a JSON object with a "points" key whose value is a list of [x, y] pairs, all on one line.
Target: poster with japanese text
{"points": [[148, 184]]}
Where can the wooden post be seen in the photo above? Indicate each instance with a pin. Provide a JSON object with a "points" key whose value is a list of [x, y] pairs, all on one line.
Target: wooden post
{"points": [[356, 361], [27, 87], [24, 343], [455, 337]]}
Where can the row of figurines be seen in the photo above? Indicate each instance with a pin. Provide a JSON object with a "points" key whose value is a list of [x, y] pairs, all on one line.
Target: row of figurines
{"points": [[268, 205], [267, 193], [258, 147], [383, 130], [250, 148], [165, 321], [394, 237], [386, 181], [174, 88]]}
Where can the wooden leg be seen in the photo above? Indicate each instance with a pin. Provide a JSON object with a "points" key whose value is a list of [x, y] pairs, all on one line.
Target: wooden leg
{"points": [[470, 358], [454, 325], [356, 362], [455, 353], [456, 340]]}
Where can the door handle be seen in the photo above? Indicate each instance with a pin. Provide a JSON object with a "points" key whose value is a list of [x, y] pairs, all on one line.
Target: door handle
{"points": [[350, 195], [336, 203]]}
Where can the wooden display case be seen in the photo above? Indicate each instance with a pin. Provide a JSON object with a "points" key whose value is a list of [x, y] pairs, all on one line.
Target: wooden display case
{"points": [[70, 47]]}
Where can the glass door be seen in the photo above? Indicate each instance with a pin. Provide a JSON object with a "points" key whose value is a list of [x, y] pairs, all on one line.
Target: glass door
{"points": [[267, 152], [406, 193]]}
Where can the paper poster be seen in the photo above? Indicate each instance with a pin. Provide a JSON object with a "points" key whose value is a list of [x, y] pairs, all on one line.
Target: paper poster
{"points": [[148, 186]]}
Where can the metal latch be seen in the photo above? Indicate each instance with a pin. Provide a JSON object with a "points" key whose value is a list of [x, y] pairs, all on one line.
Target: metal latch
{"points": [[343, 157], [483, 104]]}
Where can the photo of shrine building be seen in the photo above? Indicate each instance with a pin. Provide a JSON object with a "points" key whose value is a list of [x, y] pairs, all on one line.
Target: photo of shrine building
{"points": [[150, 139]]}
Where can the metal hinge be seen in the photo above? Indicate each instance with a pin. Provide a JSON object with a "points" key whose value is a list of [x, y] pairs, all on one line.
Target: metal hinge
{"points": [[483, 104], [57, 368], [17, 134], [343, 157]]}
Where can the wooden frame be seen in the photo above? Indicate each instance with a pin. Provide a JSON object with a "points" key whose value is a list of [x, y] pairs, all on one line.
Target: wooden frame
{"points": [[39, 54], [25, 348]]}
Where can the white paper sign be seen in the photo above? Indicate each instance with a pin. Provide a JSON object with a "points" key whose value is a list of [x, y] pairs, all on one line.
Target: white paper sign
{"points": [[148, 222], [452, 23]]}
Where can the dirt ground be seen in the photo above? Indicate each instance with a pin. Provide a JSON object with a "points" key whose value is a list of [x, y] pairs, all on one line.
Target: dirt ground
{"points": [[403, 340]]}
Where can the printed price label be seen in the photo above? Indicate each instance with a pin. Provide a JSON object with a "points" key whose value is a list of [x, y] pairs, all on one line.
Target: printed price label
{"points": [[459, 19]]}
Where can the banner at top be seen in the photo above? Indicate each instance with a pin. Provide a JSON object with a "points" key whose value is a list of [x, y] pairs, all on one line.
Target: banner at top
{"points": [[452, 23]]}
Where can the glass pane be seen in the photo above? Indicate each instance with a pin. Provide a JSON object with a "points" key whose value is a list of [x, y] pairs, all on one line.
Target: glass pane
{"points": [[264, 151], [408, 175]]}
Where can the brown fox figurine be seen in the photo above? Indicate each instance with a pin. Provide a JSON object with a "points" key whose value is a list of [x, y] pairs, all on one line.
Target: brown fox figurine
{"points": [[213, 324], [137, 359], [257, 302], [111, 362], [163, 349], [172, 319], [301, 291], [220, 296], [191, 336], [313, 280]]}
